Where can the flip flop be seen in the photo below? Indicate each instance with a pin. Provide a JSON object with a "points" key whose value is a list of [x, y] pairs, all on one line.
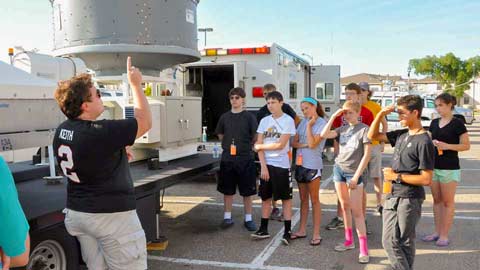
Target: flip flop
{"points": [[442, 243], [430, 238], [297, 236], [315, 241]]}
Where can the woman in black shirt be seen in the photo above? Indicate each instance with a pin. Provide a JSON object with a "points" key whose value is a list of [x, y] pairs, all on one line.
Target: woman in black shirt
{"points": [[450, 136]]}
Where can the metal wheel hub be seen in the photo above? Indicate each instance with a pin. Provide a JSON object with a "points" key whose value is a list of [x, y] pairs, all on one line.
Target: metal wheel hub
{"points": [[48, 255]]}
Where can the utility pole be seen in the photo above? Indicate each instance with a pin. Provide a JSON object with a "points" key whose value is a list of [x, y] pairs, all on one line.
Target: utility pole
{"points": [[205, 30], [473, 87], [309, 56]]}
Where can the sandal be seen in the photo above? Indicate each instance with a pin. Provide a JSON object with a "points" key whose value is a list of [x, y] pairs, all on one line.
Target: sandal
{"points": [[297, 236], [430, 238], [442, 243], [315, 241]]}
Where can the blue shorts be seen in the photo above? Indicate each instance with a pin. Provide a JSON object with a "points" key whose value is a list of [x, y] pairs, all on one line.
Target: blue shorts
{"points": [[340, 176]]}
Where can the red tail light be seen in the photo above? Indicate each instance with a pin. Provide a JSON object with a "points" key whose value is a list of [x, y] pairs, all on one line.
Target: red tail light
{"points": [[248, 50], [257, 92], [234, 51]]}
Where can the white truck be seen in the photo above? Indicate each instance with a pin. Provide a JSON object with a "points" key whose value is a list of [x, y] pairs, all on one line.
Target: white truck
{"points": [[251, 67]]}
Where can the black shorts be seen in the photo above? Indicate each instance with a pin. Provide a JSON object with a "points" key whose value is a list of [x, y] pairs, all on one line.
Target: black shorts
{"points": [[241, 173], [279, 186], [305, 175]]}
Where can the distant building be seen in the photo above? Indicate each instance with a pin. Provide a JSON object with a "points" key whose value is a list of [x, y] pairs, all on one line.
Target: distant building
{"points": [[379, 82]]}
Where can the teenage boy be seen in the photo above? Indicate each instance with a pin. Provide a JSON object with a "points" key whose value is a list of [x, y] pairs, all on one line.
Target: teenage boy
{"points": [[268, 88], [352, 93], [237, 129], [352, 159], [272, 146], [412, 168]]}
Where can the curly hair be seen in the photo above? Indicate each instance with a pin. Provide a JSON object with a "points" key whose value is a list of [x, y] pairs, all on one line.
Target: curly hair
{"points": [[71, 94]]}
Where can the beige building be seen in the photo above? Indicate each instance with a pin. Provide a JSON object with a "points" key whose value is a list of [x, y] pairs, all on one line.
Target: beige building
{"points": [[394, 83]]}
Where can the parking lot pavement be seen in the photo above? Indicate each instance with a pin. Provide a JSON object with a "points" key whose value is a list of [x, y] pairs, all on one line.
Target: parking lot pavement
{"points": [[193, 211]]}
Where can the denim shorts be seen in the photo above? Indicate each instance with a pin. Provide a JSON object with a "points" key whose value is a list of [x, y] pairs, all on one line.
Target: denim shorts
{"points": [[340, 176]]}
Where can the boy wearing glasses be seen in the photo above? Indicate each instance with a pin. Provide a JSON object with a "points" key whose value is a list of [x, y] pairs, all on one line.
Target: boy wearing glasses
{"points": [[237, 131]]}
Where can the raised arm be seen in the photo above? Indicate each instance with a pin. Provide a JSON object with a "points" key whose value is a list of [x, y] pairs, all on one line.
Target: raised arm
{"points": [[326, 132], [374, 131], [313, 140], [140, 103]]}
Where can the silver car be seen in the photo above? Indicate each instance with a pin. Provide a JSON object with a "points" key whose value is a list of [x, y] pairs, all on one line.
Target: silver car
{"points": [[467, 114]]}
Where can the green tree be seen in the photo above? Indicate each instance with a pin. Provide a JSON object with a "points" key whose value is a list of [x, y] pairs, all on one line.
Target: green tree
{"points": [[453, 73]]}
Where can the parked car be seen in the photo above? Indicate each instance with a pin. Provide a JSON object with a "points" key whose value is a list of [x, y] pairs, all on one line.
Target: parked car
{"points": [[467, 114], [394, 123]]}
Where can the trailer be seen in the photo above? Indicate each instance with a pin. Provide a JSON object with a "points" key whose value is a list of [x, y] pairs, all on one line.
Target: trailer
{"points": [[43, 203]]}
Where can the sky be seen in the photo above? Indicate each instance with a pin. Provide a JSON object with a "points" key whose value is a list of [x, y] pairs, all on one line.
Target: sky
{"points": [[359, 35]]}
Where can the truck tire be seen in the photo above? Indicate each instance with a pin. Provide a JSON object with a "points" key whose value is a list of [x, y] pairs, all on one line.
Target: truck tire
{"points": [[54, 249]]}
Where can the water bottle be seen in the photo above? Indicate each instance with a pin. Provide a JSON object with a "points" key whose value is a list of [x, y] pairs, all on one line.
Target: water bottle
{"points": [[204, 134], [216, 151]]}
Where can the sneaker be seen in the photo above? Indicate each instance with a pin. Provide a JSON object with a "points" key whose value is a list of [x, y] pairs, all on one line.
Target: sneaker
{"points": [[276, 214], [250, 225], [379, 211], [227, 223], [286, 239], [341, 247], [335, 224], [260, 234], [367, 229], [363, 258]]}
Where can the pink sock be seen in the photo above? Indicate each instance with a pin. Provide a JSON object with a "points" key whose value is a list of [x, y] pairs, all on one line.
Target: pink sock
{"points": [[363, 245], [348, 236]]}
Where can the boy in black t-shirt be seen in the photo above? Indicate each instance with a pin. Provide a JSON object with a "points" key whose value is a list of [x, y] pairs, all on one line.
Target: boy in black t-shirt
{"points": [[100, 194], [237, 130], [412, 168]]}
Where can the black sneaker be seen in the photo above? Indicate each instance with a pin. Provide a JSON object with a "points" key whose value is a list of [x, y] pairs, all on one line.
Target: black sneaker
{"points": [[260, 234], [335, 224], [379, 210], [286, 239]]}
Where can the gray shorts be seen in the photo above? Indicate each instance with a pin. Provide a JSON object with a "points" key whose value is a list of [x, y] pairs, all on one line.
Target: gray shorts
{"points": [[375, 164], [114, 241]]}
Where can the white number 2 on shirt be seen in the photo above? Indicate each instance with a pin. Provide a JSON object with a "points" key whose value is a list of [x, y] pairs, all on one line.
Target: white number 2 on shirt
{"points": [[65, 151]]}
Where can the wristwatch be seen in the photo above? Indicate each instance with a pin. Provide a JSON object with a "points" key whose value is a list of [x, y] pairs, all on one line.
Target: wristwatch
{"points": [[399, 179]]}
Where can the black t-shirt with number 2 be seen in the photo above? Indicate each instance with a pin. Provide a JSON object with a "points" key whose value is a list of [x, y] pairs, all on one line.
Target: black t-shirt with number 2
{"points": [[92, 155], [412, 154], [450, 133]]}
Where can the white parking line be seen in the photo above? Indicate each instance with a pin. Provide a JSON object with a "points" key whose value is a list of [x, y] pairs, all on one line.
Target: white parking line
{"points": [[273, 245], [221, 264], [370, 212]]}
